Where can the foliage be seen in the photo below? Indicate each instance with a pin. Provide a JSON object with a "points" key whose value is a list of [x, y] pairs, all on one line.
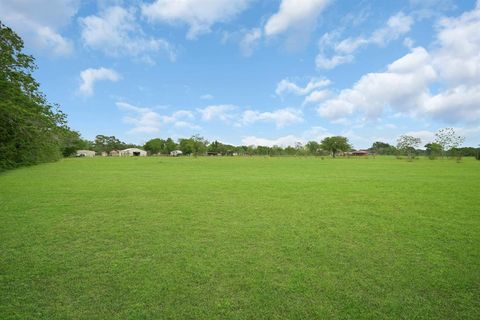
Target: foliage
{"points": [[104, 143], [335, 144], [313, 147], [408, 145], [433, 150], [155, 146], [448, 139], [31, 130], [382, 148], [72, 141]]}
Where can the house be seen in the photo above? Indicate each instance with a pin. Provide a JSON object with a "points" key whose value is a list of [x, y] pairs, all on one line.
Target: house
{"points": [[133, 152], [176, 153], [85, 153], [359, 153]]}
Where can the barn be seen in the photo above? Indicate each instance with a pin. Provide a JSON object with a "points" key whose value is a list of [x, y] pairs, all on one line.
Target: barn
{"points": [[133, 152], [85, 153]]}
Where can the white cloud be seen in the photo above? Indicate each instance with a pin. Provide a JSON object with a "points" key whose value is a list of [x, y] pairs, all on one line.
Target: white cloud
{"points": [[39, 22], [221, 112], [408, 77], [177, 116], [47, 38], [451, 69], [286, 86], [313, 134], [116, 32], [199, 15], [424, 135], [144, 120], [280, 117], [294, 14], [90, 76], [458, 104], [323, 62], [344, 50], [285, 141], [250, 41], [316, 96], [206, 96]]}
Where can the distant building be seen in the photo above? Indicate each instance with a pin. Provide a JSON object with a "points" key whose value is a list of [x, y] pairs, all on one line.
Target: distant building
{"points": [[114, 153], [133, 152], [359, 153], [85, 153], [176, 153], [104, 154]]}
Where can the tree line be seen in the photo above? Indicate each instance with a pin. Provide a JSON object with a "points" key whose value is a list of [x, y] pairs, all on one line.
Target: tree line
{"points": [[32, 130], [446, 144]]}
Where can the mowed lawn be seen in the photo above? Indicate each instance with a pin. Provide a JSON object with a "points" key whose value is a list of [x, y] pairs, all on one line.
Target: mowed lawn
{"points": [[241, 238]]}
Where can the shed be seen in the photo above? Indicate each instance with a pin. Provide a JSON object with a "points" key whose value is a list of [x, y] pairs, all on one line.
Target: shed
{"points": [[85, 153], [176, 153], [133, 152], [360, 153], [114, 153]]}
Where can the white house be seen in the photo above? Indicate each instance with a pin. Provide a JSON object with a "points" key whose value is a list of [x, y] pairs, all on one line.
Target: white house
{"points": [[85, 153], [133, 152], [176, 153]]}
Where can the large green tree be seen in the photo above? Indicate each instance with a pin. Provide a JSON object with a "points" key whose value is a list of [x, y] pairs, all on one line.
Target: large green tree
{"points": [[31, 129], [335, 144], [155, 146], [383, 148]]}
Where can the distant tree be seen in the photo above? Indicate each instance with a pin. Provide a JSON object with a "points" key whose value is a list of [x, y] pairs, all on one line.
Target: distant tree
{"points": [[185, 145], [290, 151], [155, 146], [104, 143], [31, 130], [450, 141], [312, 147], [433, 150], [170, 146], [382, 148], [199, 145], [408, 145], [195, 145], [262, 150], [335, 144], [72, 141]]}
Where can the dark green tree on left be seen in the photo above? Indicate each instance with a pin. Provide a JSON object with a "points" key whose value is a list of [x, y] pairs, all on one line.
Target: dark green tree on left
{"points": [[31, 130]]}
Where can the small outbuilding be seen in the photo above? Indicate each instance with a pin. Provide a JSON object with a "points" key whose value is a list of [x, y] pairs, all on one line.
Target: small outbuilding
{"points": [[359, 153], [133, 152], [176, 153], [114, 153], [85, 153]]}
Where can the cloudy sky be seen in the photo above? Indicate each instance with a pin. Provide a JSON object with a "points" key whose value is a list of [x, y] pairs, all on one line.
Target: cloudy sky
{"points": [[257, 71]]}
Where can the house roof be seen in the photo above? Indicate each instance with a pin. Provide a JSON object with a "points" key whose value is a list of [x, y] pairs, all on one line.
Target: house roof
{"points": [[134, 150]]}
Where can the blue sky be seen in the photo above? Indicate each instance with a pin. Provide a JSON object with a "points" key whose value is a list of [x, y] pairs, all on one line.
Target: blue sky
{"points": [[257, 72]]}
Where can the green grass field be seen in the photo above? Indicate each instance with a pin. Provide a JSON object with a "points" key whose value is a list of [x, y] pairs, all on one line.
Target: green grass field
{"points": [[241, 238]]}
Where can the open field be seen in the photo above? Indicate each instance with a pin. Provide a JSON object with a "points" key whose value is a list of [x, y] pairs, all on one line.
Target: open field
{"points": [[243, 238]]}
